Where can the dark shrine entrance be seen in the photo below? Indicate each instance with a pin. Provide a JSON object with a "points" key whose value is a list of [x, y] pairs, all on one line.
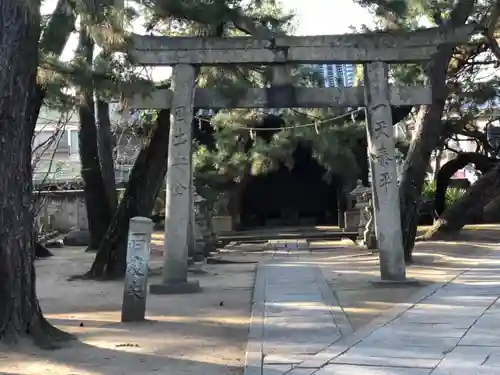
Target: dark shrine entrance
{"points": [[300, 196]]}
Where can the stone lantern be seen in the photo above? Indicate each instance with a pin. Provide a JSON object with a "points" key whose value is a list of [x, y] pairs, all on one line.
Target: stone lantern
{"points": [[359, 217]]}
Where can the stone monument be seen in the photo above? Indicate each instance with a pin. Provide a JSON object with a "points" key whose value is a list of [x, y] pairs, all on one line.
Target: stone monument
{"points": [[136, 275]]}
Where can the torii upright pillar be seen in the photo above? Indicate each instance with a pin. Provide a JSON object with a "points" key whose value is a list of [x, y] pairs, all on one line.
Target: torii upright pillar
{"points": [[382, 154], [179, 186]]}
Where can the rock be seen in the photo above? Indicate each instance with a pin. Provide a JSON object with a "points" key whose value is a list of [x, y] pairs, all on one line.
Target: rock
{"points": [[77, 238]]}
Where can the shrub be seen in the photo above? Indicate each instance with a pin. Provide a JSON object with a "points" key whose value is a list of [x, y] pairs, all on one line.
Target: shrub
{"points": [[451, 196]]}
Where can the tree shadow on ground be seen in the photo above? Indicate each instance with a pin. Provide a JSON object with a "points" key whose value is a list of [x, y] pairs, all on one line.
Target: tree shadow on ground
{"points": [[125, 359], [208, 330], [204, 333]]}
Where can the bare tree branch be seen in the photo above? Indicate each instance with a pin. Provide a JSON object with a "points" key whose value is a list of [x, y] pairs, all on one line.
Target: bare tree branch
{"points": [[61, 124]]}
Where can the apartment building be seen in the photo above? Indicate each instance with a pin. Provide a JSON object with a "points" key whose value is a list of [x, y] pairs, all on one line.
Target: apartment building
{"points": [[56, 149], [339, 75]]}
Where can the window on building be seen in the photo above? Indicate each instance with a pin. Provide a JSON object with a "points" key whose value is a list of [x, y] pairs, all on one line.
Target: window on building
{"points": [[46, 142], [62, 145], [74, 146], [41, 138]]}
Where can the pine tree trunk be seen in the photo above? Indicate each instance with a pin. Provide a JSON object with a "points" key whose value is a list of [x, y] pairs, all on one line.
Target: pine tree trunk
{"points": [[415, 169], [437, 165], [53, 41], [106, 146], [145, 181], [491, 212], [99, 212], [20, 313], [427, 134], [467, 207], [41, 251]]}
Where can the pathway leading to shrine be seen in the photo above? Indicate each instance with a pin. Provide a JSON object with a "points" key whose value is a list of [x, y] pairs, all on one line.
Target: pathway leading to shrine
{"points": [[298, 327], [294, 314]]}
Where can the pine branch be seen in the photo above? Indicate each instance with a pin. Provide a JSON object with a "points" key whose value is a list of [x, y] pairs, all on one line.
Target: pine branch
{"points": [[84, 75], [59, 27], [391, 11], [213, 13], [479, 136], [55, 35]]}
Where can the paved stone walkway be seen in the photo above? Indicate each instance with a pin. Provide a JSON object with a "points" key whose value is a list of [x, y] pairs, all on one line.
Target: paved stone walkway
{"points": [[294, 316], [298, 328]]}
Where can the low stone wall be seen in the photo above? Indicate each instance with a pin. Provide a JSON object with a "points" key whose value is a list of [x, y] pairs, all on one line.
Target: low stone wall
{"points": [[64, 210], [61, 210]]}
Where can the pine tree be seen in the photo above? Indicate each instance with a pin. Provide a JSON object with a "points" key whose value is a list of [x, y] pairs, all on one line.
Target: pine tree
{"points": [[231, 171], [239, 153], [199, 18], [96, 80], [478, 200], [150, 167], [97, 202], [20, 313], [450, 72]]}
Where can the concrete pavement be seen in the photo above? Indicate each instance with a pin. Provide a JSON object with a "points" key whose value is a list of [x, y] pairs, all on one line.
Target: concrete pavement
{"points": [[298, 327]]}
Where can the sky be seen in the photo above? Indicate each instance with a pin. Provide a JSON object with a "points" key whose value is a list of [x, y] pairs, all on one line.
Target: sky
{"points": [[322, 17]]}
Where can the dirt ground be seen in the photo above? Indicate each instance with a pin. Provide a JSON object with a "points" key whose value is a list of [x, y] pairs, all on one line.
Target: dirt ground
{"points": [[206, 333], [350, 272], [183, 334]]}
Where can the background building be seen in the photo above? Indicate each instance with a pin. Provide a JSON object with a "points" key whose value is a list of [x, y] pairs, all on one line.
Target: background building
{"points": [[56, 155], [339, 75]]}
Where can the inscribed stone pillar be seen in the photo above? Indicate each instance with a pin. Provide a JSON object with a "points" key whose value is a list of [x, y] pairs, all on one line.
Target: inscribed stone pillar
{"points": [[136, 276], [179, 185], [382, 153]]}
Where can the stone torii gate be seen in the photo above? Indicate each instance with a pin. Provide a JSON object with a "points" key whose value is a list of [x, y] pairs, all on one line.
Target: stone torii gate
{"points": [[374, 50]]}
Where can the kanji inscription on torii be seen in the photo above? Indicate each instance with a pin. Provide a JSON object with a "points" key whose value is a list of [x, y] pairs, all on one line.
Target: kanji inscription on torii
{"points": [[383, 158], [180, 134], [381, 128]]}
